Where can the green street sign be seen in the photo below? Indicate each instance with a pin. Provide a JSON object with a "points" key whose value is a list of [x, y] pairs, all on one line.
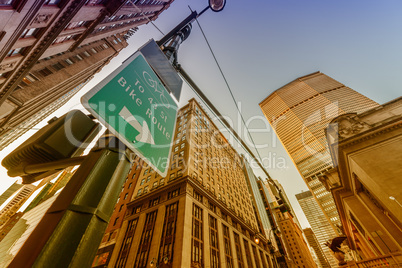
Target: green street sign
{"points": [[135, 106]]}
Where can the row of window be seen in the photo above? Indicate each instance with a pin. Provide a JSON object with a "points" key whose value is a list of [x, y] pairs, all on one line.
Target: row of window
{"points": [[167, 239], [197, 244]]}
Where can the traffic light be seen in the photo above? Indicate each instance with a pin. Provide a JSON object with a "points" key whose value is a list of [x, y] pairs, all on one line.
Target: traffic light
{"points": [[61, 139]]}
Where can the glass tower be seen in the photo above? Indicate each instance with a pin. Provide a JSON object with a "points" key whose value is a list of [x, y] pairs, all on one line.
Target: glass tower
{"points": [[319, 224], [299, 112]]}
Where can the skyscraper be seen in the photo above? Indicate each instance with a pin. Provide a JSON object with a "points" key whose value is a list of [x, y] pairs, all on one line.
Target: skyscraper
{"points": [[268, 198], [298, 249], [256, 199], [50, 49], [299, 112], [15, 202], [20, 232], [313, 242], [319, 224], [199, 215], [10, 191]]}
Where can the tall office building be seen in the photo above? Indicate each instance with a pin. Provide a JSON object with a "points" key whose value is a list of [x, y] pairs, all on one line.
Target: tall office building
{"points": [[299, 112], [319, 224], [49, 49], [256, 199], [9, 192], [199, 215], [268, 198], [298, 250], [19, 233], [5, 228], [280, 192], [313, 242], [15, 202]]}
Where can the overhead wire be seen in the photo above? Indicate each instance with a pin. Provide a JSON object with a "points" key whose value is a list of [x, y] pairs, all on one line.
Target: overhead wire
{"points": [[228, 87]]}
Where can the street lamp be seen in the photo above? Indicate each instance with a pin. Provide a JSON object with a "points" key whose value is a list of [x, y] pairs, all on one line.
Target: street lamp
{"points": [[171, 41], [217, 5]]}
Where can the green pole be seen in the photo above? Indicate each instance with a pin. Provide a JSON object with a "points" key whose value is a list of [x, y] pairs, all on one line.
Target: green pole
{"points": [[71, 230]]}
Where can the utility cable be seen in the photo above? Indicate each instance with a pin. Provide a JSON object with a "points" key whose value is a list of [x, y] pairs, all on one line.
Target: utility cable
{"points": [[218, 115], [230, 91]]}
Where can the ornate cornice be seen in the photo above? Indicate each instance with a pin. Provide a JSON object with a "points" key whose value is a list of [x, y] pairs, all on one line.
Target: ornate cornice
{"points": [[38, 51], [372, 133], [27, 19]]}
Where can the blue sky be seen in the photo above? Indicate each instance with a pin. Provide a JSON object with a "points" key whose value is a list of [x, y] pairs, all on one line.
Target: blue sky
{"points": [[262, 45]]}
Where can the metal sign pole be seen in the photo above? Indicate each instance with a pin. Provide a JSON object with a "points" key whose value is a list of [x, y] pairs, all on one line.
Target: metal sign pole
{"points": [[71, 230]]}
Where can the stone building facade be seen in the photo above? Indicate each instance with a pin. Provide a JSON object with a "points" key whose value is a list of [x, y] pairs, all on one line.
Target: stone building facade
{"points": [[49, 49], [366, 180], [199, 215]]}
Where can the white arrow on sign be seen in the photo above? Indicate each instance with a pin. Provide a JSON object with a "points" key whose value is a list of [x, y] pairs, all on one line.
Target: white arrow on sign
{"points": [[145, 135]]}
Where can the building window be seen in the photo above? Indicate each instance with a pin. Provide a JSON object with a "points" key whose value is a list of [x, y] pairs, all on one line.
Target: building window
{"points": [[45, 72], [29, 79], [136, 209], [62, 39], [51, 2], [197, 237], [257, 263], [78, 57], [28, 33], [228, 249], [197, 196], [145, 241], [155, 184], [247, 251], [267, 258], [115, 221], [128, 237], [174, 193], [168, 233], [142, 181], [15, 51], [125, 196], [68, 61], [139, 192], [58, 66], [153, 202], [213, 242], [6, 2], [145, 189], [162, 181]]}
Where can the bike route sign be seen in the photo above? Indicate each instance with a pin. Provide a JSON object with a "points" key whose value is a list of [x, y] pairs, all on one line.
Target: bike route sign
{"points": [[135, 106]]}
